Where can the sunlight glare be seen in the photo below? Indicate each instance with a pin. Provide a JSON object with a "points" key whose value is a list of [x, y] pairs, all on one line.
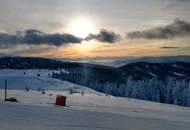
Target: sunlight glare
{"points": [[81, 27]]}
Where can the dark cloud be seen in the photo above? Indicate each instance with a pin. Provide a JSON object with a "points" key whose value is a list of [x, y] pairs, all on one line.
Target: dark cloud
{"points": [[105, 36], [36, 37], [169, 47], [178, 28]]}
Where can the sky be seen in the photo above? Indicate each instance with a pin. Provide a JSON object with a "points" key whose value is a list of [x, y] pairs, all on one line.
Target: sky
{"points": [[74, 29]]}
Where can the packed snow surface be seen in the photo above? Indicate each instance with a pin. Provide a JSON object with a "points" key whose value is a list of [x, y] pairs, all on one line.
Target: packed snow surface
{"points": [[88, 111], [21, 79]]}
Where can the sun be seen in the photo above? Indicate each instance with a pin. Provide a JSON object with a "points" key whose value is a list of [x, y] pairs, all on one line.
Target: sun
{"points": [[81, 27]]}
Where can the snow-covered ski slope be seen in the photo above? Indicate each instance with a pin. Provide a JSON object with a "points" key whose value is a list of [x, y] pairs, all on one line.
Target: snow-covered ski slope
{"points": [[36, 111], [91, 111], [20, 79]]}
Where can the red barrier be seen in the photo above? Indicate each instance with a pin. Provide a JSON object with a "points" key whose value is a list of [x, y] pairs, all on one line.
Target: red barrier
{"points": [[61, 100]]}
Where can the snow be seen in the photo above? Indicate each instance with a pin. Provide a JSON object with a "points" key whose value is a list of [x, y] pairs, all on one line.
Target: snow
{"points": [[18, 80], [152, 74], [91, 111], [178, 74]]}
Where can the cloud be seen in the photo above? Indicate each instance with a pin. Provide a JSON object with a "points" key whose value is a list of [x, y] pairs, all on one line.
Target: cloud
{"points": [[36, 37], [105, 36], [169, 7], [169, 47], [178, 28]]}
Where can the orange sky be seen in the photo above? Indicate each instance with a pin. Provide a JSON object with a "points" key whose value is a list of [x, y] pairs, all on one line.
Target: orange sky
{"points": [[121, 49]]}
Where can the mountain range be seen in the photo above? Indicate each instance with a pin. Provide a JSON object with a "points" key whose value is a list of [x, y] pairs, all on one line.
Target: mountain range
{"points": [[137, 70]]}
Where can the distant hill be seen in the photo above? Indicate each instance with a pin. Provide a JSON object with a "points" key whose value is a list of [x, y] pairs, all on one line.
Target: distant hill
{"points": [[144, 70], [137, 71], [41, 63], [120, 61]]}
